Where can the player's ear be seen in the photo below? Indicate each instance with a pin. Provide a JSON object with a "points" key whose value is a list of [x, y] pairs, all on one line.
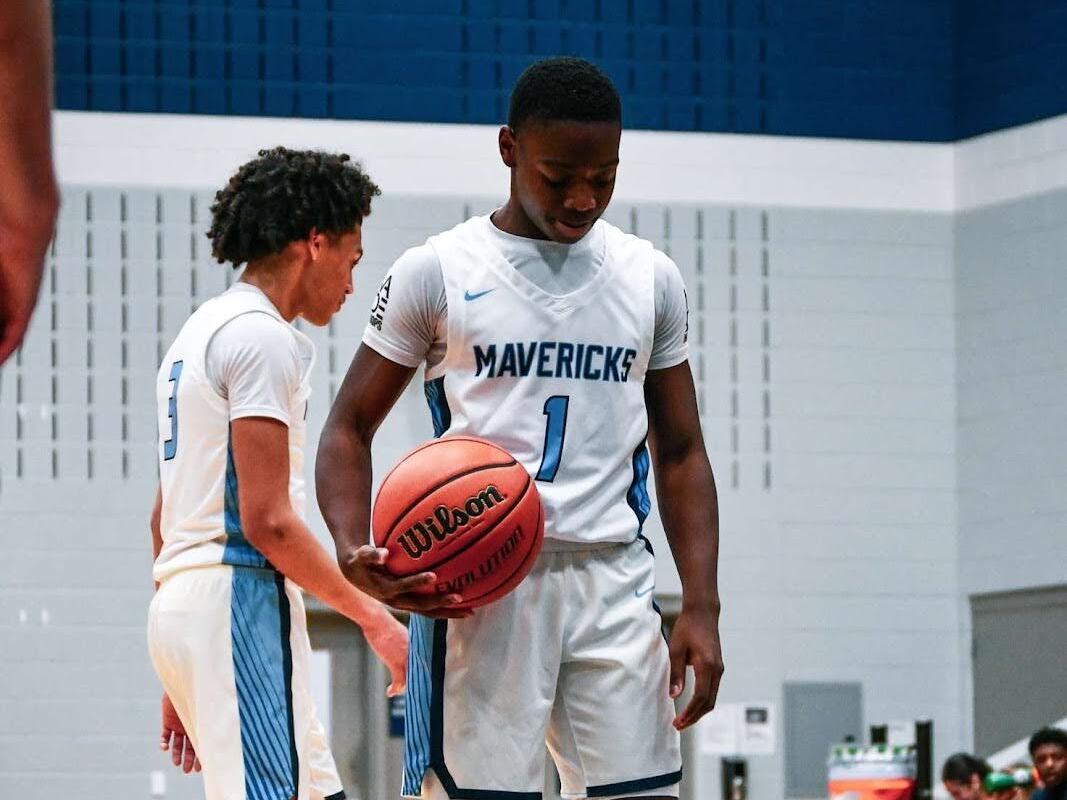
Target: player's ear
{"points": [[506, 142], [316, 242]]}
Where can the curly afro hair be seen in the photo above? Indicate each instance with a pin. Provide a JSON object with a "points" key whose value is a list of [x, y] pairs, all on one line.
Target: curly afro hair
{"points": [[564, 88], [280, 196]]}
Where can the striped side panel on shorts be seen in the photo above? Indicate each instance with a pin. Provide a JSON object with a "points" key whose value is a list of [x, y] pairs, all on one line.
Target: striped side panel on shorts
{"points": [[263, 670], [417, 742]]}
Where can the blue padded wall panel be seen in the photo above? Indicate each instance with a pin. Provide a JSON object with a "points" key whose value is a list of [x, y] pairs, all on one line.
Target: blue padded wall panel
{"points": [[104, 20], [1008, 62], [209, 61], [71, 55], [889, 69], [142, 93], [73, 93], [209, 97], [312, 66], [105, 93]]}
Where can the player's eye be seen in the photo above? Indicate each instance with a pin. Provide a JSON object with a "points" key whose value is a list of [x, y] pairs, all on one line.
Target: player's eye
{"points": [[556, 184]]}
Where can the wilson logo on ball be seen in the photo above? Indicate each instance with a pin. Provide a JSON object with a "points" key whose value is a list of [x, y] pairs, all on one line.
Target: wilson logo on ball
{"points": [[420, 537]]}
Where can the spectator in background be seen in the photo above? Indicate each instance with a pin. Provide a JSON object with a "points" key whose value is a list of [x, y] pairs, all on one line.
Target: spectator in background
{"points": [[29, 199], [963, 774], [1048, 749], [1014, 782]]}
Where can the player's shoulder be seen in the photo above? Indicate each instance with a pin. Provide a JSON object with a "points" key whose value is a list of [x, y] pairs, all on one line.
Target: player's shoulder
{"points": [[258, 336], [417, 263], [622, 242], [470, 235]]}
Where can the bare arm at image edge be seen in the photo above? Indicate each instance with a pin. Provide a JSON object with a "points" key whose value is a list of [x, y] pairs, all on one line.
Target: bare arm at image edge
{"points": [[29, 198]]}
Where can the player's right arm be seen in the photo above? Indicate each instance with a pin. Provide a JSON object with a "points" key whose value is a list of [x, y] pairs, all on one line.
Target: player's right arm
{"points": [[343, 476], [405, 325], [273, 527]]}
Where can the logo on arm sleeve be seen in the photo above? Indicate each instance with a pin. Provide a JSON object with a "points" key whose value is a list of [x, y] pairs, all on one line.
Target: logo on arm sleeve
{"points": [[377, 313]]}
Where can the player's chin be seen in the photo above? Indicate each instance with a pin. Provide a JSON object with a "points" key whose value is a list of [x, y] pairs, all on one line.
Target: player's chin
{"points": [[320, 318], [565, 233]]}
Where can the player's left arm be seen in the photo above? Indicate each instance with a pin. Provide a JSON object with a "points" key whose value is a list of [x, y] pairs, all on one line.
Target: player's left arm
{"points": [[685, 488], [30, 199], [154, 524], [173, 736]]}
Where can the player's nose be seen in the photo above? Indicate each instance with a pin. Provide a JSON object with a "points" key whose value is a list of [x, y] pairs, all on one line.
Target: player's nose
{"points": [[581, 201]]}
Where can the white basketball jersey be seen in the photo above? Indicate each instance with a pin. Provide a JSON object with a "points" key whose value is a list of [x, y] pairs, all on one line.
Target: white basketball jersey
{"points": [[201, 521], [557, 381]]}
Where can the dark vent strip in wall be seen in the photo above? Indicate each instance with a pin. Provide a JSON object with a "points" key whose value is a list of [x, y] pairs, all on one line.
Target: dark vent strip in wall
{"points": [[765, 343], [735, 400], [90, 341]]}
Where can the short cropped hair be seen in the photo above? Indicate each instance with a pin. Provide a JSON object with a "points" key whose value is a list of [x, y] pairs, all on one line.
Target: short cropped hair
{"points": [[564, 88], [960, 767], [1047, 736], [278, 197]]}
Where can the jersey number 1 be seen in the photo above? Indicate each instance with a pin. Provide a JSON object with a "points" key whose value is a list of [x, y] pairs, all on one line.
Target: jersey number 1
{"points": [[556, 411], [170, 446]]}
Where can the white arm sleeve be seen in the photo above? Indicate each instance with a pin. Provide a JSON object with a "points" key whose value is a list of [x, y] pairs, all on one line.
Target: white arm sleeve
{"points": [[407, 320], [670, 342], [252, 361]]}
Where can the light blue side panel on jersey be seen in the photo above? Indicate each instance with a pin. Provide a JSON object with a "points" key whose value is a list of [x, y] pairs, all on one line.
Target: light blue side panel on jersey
{"points": [[417, 742], [637, 495], [263, 671], [439, 410], [239, 551]]}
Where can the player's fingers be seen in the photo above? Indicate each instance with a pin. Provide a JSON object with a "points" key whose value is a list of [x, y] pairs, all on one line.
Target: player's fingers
{"points": [[430, 604], [702, 700], [190, 757], [394, 587], [396, 688], [176, 754], [196, 764], [164, 739], [369, 555], [677, 681], [716, 679]]}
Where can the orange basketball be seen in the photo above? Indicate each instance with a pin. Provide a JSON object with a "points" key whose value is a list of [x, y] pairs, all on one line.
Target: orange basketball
{"points": [[464, 509]]}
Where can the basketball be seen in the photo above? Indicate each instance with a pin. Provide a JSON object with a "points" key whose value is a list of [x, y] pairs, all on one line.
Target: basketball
{"points": [[464, 509]]}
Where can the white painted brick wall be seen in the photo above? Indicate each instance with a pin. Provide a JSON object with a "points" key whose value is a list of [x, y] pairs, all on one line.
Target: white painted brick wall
{"points": [[892, 336]]}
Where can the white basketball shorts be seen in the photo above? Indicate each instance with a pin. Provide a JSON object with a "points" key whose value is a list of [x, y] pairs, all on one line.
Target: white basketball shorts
{"points": [[575, 658], [230, 646]]}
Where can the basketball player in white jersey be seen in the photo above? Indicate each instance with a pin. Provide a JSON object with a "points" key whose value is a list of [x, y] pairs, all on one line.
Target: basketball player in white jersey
{"points": [[562, 339], [227, 631]]}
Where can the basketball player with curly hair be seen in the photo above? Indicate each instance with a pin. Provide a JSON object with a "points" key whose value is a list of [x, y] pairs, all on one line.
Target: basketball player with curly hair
{"points": [[563, 340], [227, 630]]}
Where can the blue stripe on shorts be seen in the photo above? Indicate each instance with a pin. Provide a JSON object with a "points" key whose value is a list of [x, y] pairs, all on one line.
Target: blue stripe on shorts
{"points": [[262, 668]]}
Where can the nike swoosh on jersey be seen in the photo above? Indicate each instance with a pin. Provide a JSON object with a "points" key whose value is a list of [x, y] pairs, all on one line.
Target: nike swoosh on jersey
{"points": [[467, 295], [638, 593]]}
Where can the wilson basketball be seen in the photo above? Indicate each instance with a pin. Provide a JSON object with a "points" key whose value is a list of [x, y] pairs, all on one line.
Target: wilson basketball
{"points": [[464, 509]]}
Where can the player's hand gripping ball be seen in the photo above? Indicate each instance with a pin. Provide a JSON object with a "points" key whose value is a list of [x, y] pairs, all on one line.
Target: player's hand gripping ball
{"points": [[464, 509]]}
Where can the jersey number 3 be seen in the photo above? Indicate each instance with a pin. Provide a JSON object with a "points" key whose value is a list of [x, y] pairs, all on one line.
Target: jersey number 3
{"points": [[555, 429], [170, 446]]}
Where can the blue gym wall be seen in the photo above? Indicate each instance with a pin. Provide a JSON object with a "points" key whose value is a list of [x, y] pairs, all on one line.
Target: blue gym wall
{"points": [[1009, 62], [880, 69]]}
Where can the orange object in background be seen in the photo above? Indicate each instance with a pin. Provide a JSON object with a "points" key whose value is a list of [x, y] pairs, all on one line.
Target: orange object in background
{"points": [[872, 789], [877, 772]]}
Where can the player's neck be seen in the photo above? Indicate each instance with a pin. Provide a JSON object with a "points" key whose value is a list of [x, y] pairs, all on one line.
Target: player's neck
{"points": [[512, 219], [279, 281]]}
